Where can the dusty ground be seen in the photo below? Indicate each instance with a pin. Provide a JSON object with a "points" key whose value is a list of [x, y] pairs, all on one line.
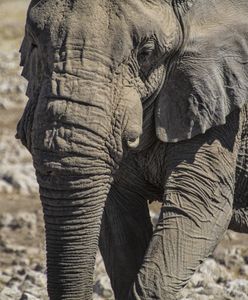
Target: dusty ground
{"points": [[22, 259]]}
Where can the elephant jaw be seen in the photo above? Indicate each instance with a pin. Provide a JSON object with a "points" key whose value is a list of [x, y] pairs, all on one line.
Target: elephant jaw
{"points": [[134, 110]]}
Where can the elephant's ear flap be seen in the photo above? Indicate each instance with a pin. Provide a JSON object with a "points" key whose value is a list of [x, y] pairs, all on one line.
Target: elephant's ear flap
{"points": [[208, 79], [32, 71]]}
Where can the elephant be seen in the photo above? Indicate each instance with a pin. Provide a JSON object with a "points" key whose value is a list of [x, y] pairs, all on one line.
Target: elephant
{"points": [[133, 101]]}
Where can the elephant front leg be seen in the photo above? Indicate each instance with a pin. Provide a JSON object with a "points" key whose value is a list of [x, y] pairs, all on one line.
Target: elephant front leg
{"points": [[196, 212], [126, 231]]}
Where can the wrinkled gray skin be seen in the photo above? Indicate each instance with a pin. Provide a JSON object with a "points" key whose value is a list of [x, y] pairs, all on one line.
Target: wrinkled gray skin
{"points": [[132, 101]]}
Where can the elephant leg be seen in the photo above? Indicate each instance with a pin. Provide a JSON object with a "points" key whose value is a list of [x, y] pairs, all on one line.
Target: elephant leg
{"points": [[239, 221], [196, 212], [125, 234]]}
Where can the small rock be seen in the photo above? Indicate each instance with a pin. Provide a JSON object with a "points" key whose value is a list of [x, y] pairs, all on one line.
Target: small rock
{"points": [[27, 296], [6, 219], [239, 286], [233, 259], [25, 219], [15, 281], [8, 272], [17, 249], [22, 262], [38, 268], [4, 278], [244, 270], [5, 187], [102, 288], [10, 293], [196, 281]]}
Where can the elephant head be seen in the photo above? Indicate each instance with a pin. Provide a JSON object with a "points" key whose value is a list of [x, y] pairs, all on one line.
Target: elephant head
{"points": [[109, 76], [100, 52]]}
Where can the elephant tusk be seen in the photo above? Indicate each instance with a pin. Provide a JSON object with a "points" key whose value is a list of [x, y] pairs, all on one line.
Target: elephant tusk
{"points": [[134, 143]]}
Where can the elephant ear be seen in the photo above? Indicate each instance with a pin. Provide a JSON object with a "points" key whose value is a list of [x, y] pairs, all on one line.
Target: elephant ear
{"points": [[208, 78], [32, 71]]}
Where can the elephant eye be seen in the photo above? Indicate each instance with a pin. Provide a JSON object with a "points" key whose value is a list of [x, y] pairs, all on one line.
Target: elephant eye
{"points": [[146, 52]]}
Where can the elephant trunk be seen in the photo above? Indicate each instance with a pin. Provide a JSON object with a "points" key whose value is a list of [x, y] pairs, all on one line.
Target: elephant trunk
{"points": [[75, 147], [72, 209], [73, 191]]}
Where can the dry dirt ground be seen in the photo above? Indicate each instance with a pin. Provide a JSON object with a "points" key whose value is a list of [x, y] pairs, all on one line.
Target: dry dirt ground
{"points": [[22, 250]]}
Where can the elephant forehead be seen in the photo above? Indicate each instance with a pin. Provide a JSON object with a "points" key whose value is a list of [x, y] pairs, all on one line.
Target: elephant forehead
{"points": [[99, 25], [106, 24]]}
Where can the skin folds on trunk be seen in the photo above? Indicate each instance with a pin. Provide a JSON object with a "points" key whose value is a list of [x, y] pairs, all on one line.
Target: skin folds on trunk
{"points": [[73, 209], [73, 187]]}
